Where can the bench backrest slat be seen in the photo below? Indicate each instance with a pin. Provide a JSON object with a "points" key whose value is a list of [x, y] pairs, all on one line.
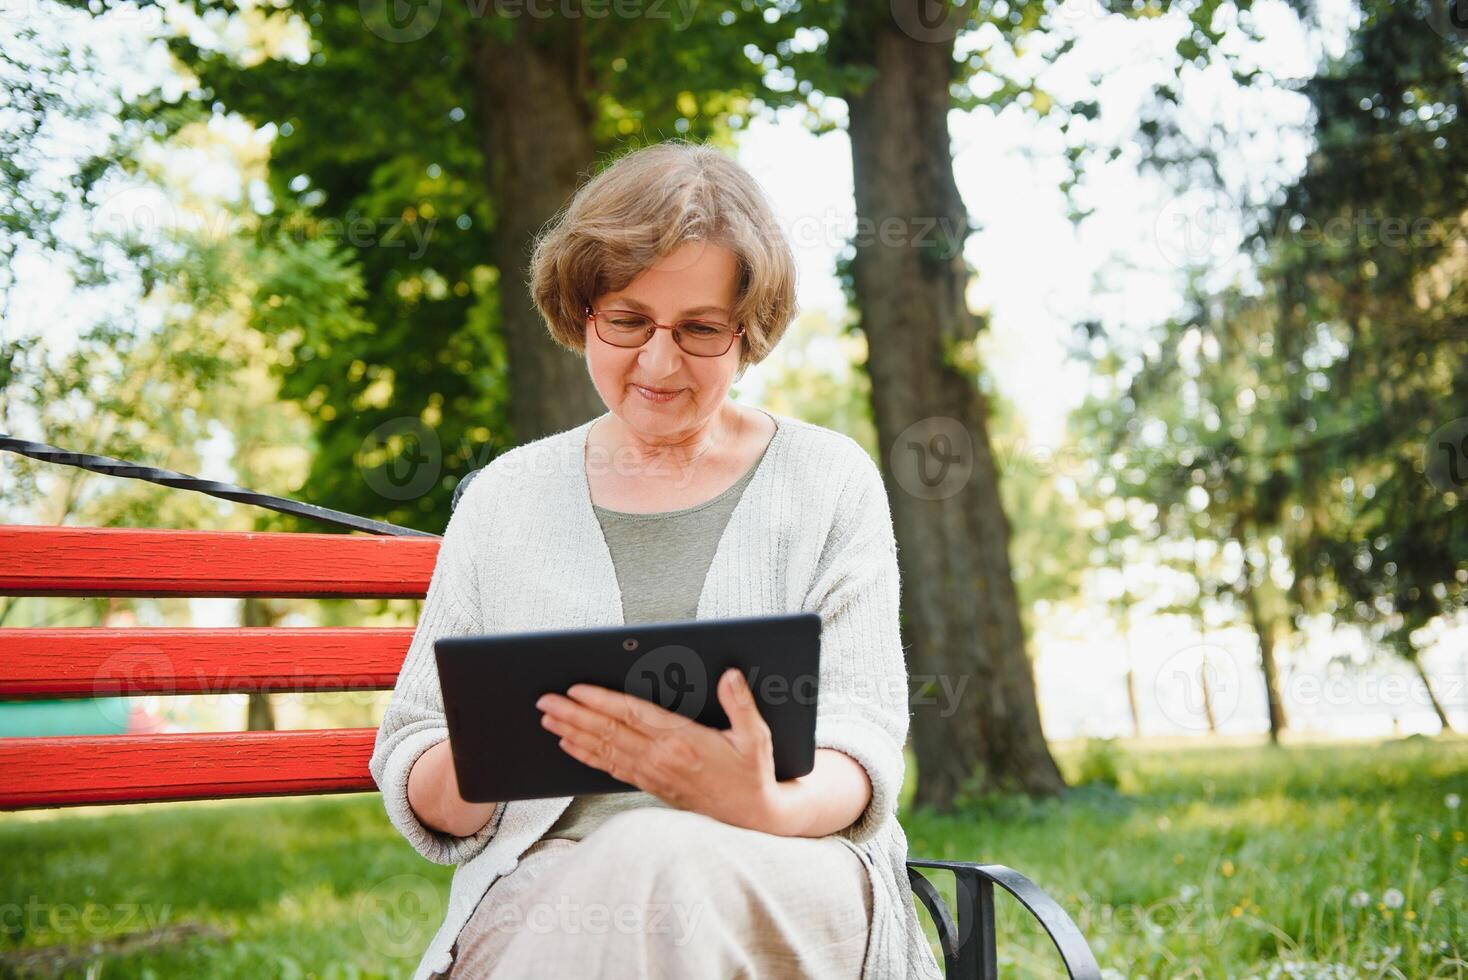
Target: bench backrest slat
{"points": [[102, 662], [98, 561], [72, 770]]}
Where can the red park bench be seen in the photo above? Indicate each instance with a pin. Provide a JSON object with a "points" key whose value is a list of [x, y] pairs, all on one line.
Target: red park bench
{"points": [[393, 562]]}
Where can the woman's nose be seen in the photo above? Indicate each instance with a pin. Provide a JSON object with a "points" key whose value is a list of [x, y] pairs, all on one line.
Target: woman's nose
{"points": [[661, 353]]}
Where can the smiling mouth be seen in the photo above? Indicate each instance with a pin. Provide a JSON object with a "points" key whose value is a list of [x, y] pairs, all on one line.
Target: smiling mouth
{"points": [[657, 391]]}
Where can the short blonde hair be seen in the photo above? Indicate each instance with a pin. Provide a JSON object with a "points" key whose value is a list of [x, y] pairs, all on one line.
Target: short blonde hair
{"points": [[643, 207]]}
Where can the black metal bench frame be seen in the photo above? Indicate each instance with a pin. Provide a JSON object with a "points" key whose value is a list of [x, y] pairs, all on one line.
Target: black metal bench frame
{"points": [[970, 946]]}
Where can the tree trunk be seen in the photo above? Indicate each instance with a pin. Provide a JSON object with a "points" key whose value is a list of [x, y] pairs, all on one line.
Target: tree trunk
{"points": [[535, 126], [259, 712], [960, 610], [1207, 688], [1131, 673], [1264, 630], [1204, 684], [1442, 716]]}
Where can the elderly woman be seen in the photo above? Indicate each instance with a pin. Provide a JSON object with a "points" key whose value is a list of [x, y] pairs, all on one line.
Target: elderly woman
{"points": [[670, 273]]}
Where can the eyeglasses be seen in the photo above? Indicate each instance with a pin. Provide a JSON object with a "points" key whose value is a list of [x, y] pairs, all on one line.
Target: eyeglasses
{"points": [[628, 328]]}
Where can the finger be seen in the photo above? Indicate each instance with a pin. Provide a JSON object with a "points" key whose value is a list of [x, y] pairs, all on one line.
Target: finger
{"points": [[656, 763], [648, 779], [572, 712], [637, 713], [604, 755], [583, 753], [739, 705], [593, 729], [660, 759]]}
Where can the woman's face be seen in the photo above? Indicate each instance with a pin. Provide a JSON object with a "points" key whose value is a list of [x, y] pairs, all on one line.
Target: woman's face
{"points": [[699, 279]]}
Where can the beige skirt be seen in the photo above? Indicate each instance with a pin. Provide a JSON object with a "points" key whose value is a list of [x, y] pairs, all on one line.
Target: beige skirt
{"points": [[658, 892]]}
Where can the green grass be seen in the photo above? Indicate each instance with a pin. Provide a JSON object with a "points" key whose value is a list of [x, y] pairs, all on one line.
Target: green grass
{"points": [[1209, 861], [1239, 861]]}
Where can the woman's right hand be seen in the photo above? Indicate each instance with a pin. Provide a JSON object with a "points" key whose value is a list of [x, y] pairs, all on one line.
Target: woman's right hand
{"points": [[433, 793]]}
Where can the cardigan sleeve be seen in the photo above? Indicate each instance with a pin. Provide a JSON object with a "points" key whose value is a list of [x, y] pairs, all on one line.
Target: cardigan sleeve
{"points": [[414, 720], [862, 702]]}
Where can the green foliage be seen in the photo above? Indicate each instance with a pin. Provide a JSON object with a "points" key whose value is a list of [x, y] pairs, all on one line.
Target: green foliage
{"points": [[1100, 762], [1373, 323], [47, 83], [1045, 531], [401, 155], [1299, 410], [807, 387]]}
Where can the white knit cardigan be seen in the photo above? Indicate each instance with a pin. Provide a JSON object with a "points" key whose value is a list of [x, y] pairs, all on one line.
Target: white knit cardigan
{"points": [[812, 531]]}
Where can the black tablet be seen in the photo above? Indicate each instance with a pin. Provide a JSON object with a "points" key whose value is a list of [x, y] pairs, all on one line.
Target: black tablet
{"points": [[491, 683]]}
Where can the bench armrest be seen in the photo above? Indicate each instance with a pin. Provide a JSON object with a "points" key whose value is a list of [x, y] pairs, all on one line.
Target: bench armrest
{"points": [[969, 947]]}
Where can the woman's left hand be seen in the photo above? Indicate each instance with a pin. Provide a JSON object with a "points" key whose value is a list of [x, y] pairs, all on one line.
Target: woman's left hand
{"points": [[728, 774]]}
